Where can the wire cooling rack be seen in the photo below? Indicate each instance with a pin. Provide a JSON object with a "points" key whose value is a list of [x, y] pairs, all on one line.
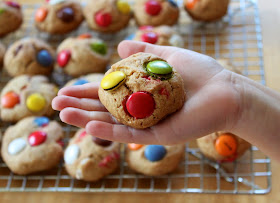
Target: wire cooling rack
{"points": [[238, 39]]}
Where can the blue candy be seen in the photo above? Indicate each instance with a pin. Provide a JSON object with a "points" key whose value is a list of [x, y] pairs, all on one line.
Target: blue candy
{"points": [[44, 58], [81, 82], [173, 3], [41, 121], [130, 37], [155, 152]]}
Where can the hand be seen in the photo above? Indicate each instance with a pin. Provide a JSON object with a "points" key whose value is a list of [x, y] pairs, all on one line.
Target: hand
{"points": [[213, 101]]}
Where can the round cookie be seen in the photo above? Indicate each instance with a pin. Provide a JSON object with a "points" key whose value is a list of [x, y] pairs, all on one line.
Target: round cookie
{"points": [[32, 145], [89, 158], [82, 55], [206, 10], [107, 16], [156, 12], [141, 90], [162, 35], [10, 17], [25, 96], [2, 53], [94, 77], [59, 16], [154, 160], [29, 56], [222, 146]]}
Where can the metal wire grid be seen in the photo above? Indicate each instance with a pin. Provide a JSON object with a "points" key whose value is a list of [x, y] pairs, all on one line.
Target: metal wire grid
{"points": [[237, 38]]}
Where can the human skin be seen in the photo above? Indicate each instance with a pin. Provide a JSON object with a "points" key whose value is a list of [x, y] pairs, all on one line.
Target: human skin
{"points": [[217, 100]]}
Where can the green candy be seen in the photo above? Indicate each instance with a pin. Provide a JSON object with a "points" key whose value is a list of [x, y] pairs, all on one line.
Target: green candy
{"points": [[99, 47], [159, 69], [2, 10]]}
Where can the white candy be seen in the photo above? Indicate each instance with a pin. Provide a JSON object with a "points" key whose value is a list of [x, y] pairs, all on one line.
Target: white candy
{"points": [[16, 146], [52, 2], [71, 154], [177, 41]]}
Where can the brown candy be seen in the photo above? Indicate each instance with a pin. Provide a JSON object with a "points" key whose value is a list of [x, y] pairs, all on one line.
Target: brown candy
{"points": [[101, 142], [66, 14]]}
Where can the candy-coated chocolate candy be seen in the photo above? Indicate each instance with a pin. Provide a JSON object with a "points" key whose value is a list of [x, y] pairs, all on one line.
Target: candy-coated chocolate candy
{"points": [[35, 102], [123, 6], [99, 47], [41, 14], [130, 37], [173, 3], [36, 138], [177, 41], [10, 99], [113, 80], [83, 134], [41, 121], [153, 7], [103, 19], [133, 146], [191, 4], [52, 2], [149, 37], [140, 105], [81, 81], [154, 152], [16, 146], [60, 142], [71, 154], [2, 10], [84, 36], [101, 142], [146, 27], [66, 14], [12, 4], [44, 58], [63, 58], [159, 69], [226, 145]]}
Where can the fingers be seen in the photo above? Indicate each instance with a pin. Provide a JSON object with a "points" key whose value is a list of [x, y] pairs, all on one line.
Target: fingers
{"points": [[81, 91], [80, 118], [62, 102]]}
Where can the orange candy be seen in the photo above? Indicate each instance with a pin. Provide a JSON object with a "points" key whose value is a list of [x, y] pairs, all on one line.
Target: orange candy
{"points": [[41, 14], [84, 36], [226, 145], [133, 146], [191, 3], [9, 100]]}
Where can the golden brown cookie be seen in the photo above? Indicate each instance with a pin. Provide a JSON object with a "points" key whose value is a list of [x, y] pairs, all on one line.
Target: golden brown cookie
{"points": [[29, 56], [222, 146], [59, 16], [162, 35], [89, 158], [206, 10], [10, 17], [141, 90], [107, 16], [94, 77], [82, 55], [156, 12], [25, 96], [154, 160], [32, 145], [2, 54]]}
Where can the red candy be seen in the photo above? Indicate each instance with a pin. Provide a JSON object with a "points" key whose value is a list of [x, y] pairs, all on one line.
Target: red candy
{"points": [[37, 138], [146, 27], [103, 19], [63, 58], [60, 142], [150, 37], [140, 105], [108, 159], [10, 99], [153, 7], [13, 4]]}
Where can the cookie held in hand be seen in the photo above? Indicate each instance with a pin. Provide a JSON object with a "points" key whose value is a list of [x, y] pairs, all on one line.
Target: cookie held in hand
{"points": [[141, 90]]}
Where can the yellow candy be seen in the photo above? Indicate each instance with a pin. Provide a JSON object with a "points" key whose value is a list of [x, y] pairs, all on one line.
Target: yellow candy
{"points": [[35, 102], [123, 7], [113, 80]]}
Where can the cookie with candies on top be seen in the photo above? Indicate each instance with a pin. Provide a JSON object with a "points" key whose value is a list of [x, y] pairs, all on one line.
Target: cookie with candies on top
{"points": [[162, 35], [25, 96], [94, 77], [33, 144], [82, 55], [10, 17], [154, 160], [222, 146], [206, 10], [141, 90], [107, 16], [90, 158], [156, 12], [29, 56], [59, 16]]}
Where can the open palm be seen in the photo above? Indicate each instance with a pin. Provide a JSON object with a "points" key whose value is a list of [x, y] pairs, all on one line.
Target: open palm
{"points": [[213, 103]]}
